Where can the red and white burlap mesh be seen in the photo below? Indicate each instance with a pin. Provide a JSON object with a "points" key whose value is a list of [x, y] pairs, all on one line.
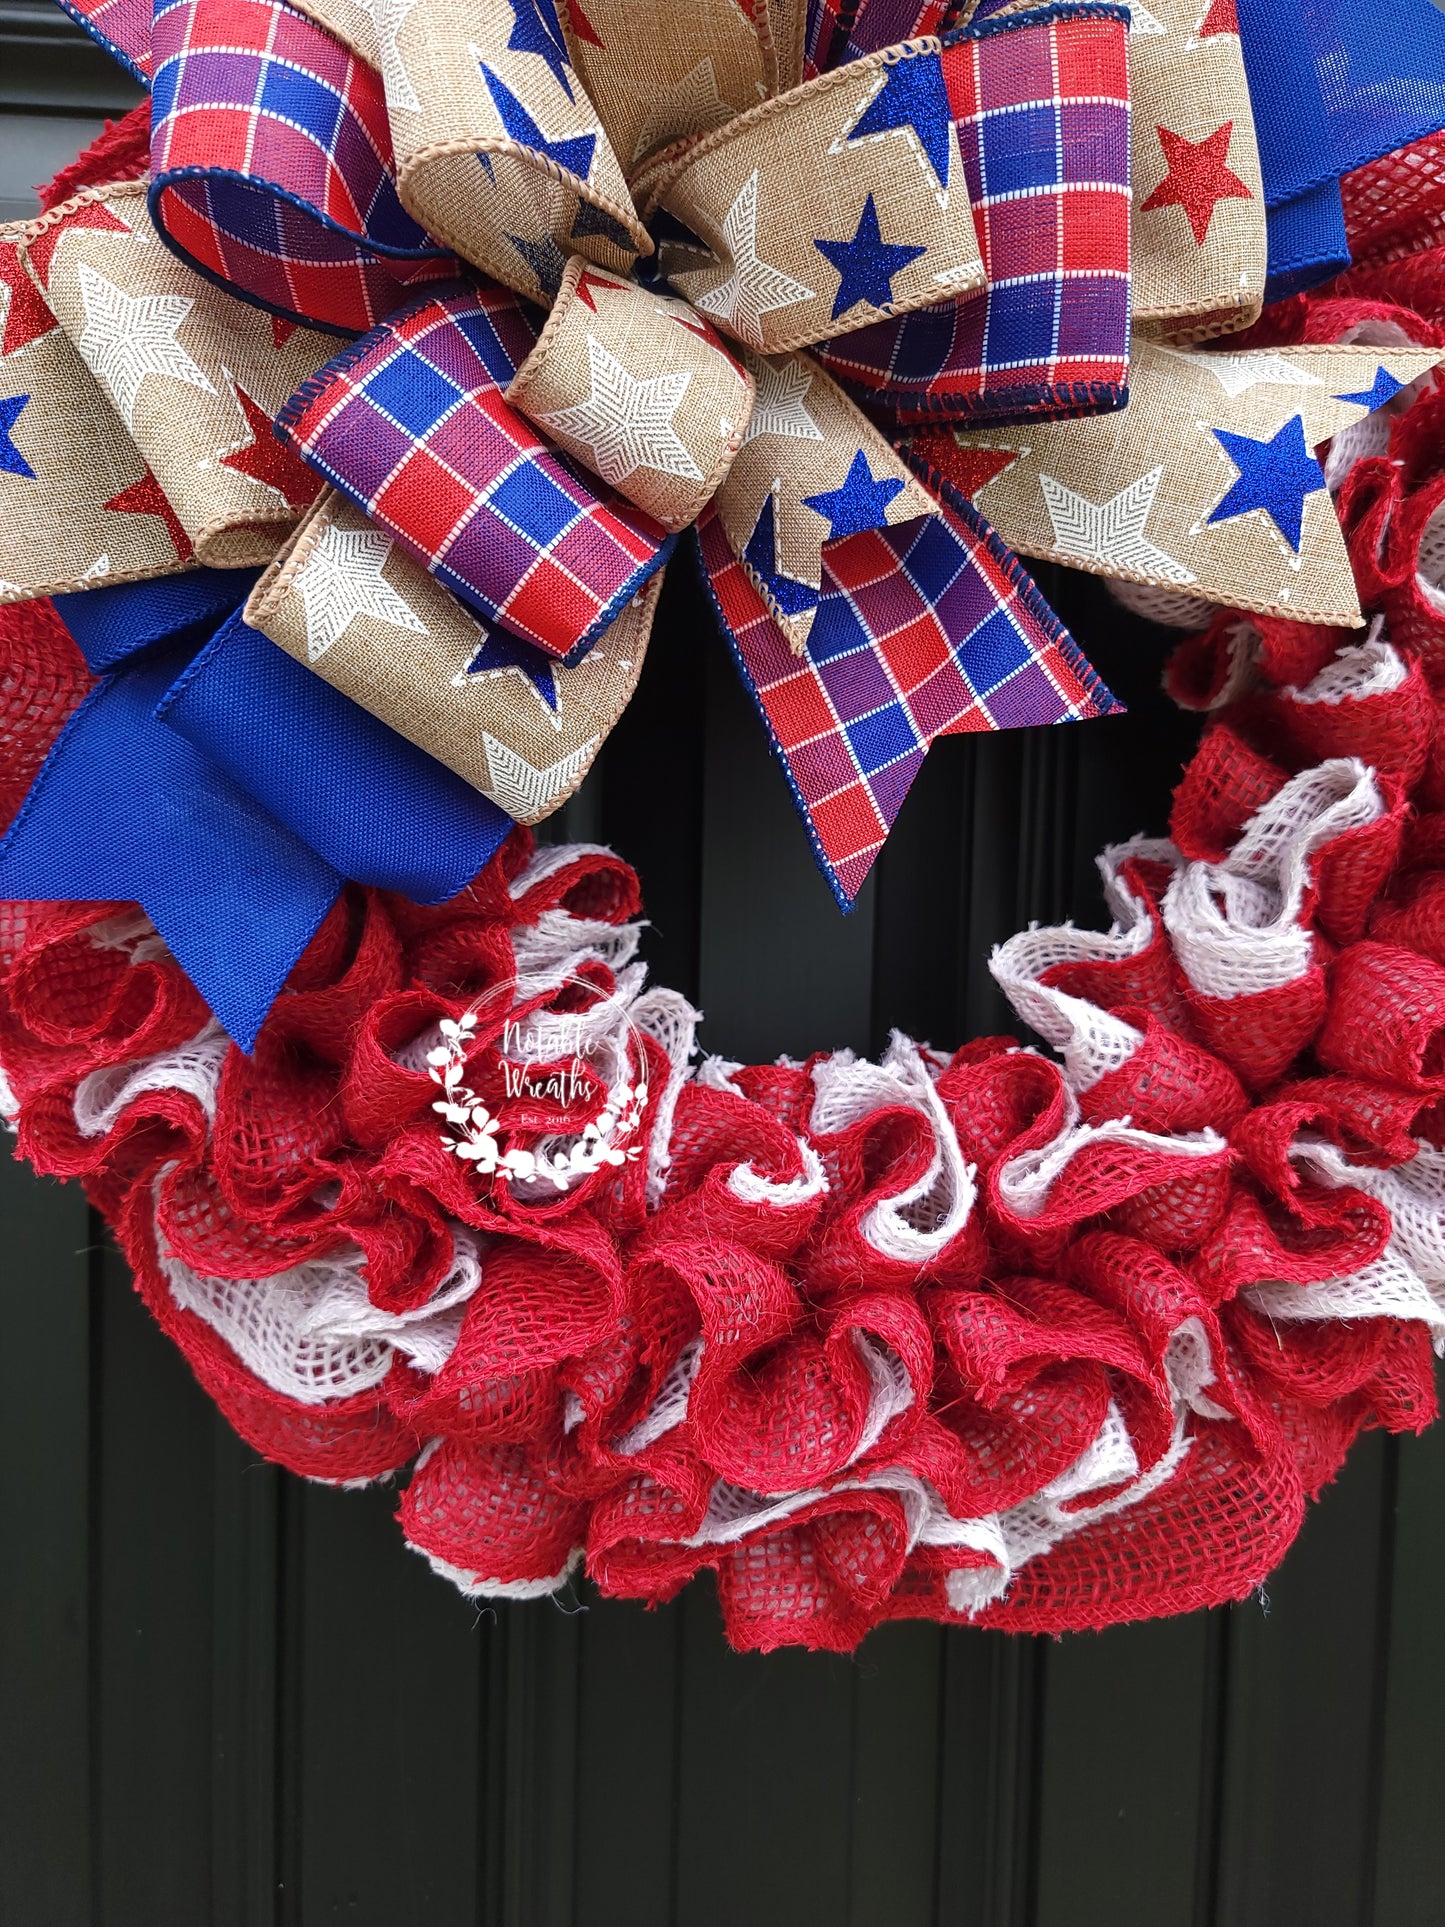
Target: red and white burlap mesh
{"points": [[1028, 1340]]}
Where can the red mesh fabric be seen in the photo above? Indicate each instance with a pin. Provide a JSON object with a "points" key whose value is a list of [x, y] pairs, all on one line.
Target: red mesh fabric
{"points": [[42, 679], [1260, 1034], [1396, 206], [1386, 1017], [121, 151], [1225, 783]]}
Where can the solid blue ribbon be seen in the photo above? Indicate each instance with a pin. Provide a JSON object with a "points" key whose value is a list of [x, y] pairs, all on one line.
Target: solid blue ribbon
{"points": [[126, 809], [230, 792], [377, 808], [1334, 84]]}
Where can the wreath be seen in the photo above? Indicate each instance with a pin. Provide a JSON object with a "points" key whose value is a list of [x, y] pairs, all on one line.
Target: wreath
{"points": [[406, 1155]]}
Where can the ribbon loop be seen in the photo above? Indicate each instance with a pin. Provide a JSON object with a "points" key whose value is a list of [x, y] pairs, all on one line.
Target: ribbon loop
{"points": [[499, 151], [194, 374], [637, 387], [272, 168], [513, 722], [1040, 102], [812, 469], [78, 505], [829, 207], [412, 423]]}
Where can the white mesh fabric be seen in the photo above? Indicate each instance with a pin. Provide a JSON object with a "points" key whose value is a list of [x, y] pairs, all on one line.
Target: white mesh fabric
{"points": [[546, 860], [917, 1222], [1168, 607], [1026, 1181], [194, 1068], [1430, 561], [669, 1409], [473, 1585], [312, 1332], [1091, 1041], [1235, 925], [670, 1021], [1369, 668], [1407, 1280]]}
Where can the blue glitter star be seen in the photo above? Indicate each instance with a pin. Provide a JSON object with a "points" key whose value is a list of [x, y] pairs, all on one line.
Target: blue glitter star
{"points": [[1385, 388], [574, 154], [535, 30], [861, 503], [544, 258], [913, 96], [12, 462], [1275, 476], [794, 598], [500, 652], [592, 220], [867, 264]]}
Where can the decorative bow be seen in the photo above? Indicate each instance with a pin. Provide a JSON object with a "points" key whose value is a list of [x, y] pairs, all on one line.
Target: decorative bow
{"points": [[693, 200]]}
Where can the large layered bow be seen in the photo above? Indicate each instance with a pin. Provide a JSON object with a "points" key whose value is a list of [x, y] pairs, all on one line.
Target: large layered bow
{"points": [[809, 279]]}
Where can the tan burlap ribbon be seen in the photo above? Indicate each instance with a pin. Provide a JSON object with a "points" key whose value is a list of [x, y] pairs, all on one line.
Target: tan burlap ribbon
{"points": [[639, 388], [78, 506], [350, 604], [1096, 495], [194, 374]]}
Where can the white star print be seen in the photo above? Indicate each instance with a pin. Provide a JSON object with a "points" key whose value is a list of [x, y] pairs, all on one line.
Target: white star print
{"points": [[781, 406], [129, 337], [390, 17], [691, 105], [753, 288], [523, 790], [342, 579], [1111, 532], [1236, 374], [1142, 21], [626, 424]]}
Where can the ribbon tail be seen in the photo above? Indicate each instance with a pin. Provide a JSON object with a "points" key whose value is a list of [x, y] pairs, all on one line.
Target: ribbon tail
{"points": [[370, 804], [938, 631], [125, 809]]}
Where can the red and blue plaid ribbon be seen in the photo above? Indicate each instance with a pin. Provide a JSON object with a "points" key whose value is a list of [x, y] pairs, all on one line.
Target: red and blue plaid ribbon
{"points": [[1041, 103], [249, 95], [412, 424], [928, 629]]}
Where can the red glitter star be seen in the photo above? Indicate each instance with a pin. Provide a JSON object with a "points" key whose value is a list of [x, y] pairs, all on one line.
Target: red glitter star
{"points": [[1222, 17], [267, 460], [695, 325], [581, 26], [94, 214], [1199, 176], [26, 315], [145, 498], [965, 464], [282, 330], [587, 280]]}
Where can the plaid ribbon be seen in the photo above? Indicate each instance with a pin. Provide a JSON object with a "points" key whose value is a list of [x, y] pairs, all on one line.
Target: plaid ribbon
{"points": [[927, 629], [1041, 104], [250, 93], [411, 424], [837, 31]]}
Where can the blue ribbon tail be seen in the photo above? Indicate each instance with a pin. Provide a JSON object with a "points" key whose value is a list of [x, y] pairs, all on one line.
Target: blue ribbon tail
{"points": [[117, 623], [1334, 85], [373, 805], [125, 809]]}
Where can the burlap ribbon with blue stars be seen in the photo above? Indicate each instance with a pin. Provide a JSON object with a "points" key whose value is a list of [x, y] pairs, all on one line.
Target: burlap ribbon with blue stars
{"points": [[610, 272]]}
